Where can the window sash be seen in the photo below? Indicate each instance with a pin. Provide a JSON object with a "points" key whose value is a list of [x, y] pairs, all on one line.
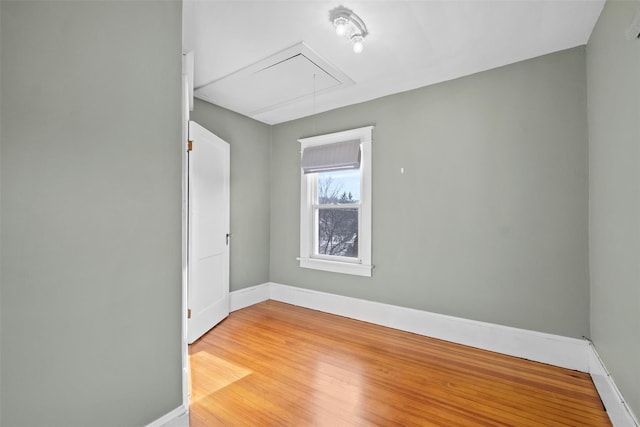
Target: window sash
{"points": [[334, 206], [315, 253]]}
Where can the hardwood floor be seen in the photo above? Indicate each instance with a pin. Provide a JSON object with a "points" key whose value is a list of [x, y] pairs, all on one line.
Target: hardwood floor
{"points": [[278, 364]]}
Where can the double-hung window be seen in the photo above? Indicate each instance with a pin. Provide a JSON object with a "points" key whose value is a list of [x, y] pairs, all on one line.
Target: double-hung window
{"points": [[335, 202]]}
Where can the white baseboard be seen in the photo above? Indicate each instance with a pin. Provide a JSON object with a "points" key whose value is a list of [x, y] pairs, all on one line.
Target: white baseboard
{"points": [[555, 350], [179, 417], [248, 296], [617, 409]]}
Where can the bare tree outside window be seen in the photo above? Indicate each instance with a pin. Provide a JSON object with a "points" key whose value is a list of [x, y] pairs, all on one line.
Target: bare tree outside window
{"points": [[338, 226]]}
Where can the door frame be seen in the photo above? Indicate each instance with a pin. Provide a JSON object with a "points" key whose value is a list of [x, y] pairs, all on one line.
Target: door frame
{"points": [[185, 233]]}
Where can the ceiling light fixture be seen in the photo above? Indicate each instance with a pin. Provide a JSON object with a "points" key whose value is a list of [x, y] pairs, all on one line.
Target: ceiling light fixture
{"points": [[349, 25]]}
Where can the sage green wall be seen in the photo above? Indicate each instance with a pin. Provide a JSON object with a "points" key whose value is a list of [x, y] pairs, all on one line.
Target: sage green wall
{"points": [[91, 212], [489, 220], [250, 159], [613, 80]]}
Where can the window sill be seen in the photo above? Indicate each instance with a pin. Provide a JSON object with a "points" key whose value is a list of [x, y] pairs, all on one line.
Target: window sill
{"points": [[336, 266]]}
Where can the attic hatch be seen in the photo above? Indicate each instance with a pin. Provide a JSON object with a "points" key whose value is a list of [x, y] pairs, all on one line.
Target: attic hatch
{"points": [[276, 81]]}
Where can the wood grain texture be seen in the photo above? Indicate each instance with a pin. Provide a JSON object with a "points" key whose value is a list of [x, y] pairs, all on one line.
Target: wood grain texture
{"points": [[278, 364]]}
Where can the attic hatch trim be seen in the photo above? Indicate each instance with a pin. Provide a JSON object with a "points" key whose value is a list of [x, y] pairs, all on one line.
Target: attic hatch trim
{"points": [[298, 49]]}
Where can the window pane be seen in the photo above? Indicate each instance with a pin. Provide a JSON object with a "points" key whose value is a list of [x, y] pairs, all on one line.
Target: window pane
{"points": [[338, 232], [339, 187]]}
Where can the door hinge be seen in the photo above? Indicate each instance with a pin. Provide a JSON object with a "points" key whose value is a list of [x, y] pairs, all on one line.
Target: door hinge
{"points": [[228, 235], [190, 146], [188, 313]]}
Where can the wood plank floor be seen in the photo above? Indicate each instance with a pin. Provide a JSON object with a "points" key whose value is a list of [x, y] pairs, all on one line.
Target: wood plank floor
{"points": [[278, 364]]}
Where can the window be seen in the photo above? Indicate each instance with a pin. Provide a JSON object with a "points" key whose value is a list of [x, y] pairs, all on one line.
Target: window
{"points": [[335, 202]]}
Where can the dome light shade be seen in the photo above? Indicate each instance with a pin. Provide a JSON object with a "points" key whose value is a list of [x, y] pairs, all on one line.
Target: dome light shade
{"points": [[357, 44], [341, 25]]}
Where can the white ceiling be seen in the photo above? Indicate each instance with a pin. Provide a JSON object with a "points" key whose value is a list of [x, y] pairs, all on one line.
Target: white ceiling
{"points": [[410, 44]]}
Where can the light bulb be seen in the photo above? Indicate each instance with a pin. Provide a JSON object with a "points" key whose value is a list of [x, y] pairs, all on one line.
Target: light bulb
{"points": [[357, 44], [341, 26]]}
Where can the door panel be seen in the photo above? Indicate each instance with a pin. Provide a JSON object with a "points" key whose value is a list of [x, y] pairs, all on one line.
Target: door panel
{"points": [[208, 256]]}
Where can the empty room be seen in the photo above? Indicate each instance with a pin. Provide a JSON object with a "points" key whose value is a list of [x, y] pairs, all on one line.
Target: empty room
{"points": [[319, 213]]}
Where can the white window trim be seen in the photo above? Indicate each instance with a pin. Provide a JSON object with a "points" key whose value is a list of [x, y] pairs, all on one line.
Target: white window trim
{"points": [[361, 266]]}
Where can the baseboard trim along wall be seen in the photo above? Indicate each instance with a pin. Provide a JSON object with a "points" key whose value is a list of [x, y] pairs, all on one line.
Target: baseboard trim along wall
{"points": [[541, 347], [249, 296], [565, 352], [617, 409], [179, 417]]}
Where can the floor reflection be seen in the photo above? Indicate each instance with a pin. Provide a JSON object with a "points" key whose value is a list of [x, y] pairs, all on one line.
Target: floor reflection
{"points": [[210, 373]]}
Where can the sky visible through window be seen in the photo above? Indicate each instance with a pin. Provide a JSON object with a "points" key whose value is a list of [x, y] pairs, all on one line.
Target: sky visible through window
{"points": [[347, 181]]}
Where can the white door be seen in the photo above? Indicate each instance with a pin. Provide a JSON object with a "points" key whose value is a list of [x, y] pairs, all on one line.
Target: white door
{"points": [[208, 252]]}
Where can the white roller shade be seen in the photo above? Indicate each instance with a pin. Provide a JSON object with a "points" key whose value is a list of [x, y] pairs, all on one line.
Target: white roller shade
{"points": [[331, 157]]}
